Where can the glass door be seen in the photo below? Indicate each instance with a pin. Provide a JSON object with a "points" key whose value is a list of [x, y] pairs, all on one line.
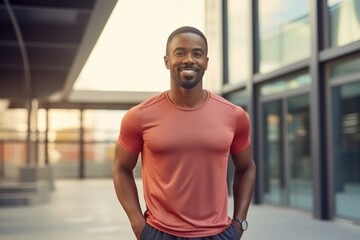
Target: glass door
{"points": [[286, 152], [298, 152], [274, 178], [346, 150]]}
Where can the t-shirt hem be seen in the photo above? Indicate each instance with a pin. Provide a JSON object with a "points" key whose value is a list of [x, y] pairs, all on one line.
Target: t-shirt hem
{"points": [[190, 234], [121, 143]]}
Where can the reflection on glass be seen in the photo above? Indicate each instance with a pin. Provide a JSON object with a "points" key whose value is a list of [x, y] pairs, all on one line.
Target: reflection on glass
{"points": [[64, 125], [284, 33], [101, 129], [64, 158], [345, 21], [13, 136], [283, 85], [239, 97], [346, 152], [213, 10], [64, 148], [99, 159], [238, 40], [347, 67], [102, 125], [274, 175], [13, 124], [41, 120], [12, 154], [299, 156]]}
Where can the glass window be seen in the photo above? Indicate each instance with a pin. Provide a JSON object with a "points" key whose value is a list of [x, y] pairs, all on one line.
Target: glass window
{"points": [[12, 155], [284, 33], [345, 21], [346, 152], [13, 124], [101, 128], [41, 120], [102, 125], [64, 158], [214, 33], [345, 67], [285, 84], [64, 125], [99, 159], [238, 40], [240, 97]]}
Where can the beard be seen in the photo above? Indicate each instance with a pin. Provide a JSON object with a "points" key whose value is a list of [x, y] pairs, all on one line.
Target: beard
{"points": [[187, 83]]}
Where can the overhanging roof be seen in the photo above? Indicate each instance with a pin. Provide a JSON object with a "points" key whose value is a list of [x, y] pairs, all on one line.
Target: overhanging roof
{"points": [[44, 45]]}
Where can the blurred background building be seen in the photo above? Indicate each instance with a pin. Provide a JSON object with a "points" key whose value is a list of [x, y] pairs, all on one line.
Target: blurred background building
{"points": [[293, 65]]}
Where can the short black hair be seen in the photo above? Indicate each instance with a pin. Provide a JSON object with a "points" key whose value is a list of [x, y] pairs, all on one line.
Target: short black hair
{"points": [[185, 29]]}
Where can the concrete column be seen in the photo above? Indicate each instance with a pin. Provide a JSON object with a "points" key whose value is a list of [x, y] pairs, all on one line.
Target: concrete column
{"points": [[33, 132], [34, 171]]}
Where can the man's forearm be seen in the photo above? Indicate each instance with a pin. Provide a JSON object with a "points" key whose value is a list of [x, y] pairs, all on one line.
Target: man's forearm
{"points": [[243, 188], [127, 194]]}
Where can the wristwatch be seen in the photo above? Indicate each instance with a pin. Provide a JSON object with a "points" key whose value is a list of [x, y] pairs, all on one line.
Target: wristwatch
{"points": [[243, 223]]}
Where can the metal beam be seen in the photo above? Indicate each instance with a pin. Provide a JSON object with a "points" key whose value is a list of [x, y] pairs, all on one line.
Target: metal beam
{"points": [[98, 19], [322, 199], [21, 44]]}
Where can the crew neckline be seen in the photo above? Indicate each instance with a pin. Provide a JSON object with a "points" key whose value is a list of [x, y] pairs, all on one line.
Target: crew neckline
{"points": [[185, 108]]}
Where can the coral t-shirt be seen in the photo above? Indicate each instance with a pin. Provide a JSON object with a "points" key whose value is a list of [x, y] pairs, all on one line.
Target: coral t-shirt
{"points": [[184, 153]]}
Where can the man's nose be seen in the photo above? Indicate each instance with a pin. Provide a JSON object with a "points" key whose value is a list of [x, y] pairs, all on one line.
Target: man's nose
{"points": [[188, 58]]}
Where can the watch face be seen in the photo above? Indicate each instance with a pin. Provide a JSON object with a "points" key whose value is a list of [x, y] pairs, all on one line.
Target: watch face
{"points": [[244, 225]]}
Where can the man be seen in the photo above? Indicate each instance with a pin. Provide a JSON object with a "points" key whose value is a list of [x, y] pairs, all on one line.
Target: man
{"points": [[185, 136]]}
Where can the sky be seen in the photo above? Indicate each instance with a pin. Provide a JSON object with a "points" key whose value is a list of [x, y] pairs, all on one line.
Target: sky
{"points": [[128, 55]]}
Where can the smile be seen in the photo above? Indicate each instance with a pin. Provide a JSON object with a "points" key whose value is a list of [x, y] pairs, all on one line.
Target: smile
{"points": [[188, 70], [188, 73]]}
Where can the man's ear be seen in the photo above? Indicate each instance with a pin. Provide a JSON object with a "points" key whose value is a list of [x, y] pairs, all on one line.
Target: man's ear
{"points": [[166, 61]]}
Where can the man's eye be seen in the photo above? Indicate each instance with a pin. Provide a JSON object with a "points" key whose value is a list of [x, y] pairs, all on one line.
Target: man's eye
{"points": [[198, 54], [179, 53]]}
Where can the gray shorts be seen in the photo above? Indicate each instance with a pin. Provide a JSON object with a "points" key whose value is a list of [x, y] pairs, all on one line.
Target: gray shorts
{"points": [[150, 233]]}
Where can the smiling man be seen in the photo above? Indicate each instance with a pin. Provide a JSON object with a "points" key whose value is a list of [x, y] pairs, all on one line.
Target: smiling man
{"points": [[185, 136]]}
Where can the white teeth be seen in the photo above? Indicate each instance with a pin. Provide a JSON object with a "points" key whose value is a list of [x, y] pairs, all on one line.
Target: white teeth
{"points": [[188, 71]]}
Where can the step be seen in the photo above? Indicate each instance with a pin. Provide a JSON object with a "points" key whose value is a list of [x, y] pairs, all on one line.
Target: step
{"points": [[19, 193]]}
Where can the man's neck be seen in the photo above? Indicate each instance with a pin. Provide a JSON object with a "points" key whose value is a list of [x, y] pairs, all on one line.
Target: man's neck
{"points": [[187, 98]]}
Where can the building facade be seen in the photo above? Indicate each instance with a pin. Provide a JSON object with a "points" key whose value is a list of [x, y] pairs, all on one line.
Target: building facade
{"points": [[295, 67]]}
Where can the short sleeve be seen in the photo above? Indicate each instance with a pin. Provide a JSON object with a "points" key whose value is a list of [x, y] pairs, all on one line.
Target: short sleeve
{"points": [[242, 132], [130, 136]]}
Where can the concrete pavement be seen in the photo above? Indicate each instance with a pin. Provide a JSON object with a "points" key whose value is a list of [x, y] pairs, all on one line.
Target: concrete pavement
{"points": [[88, 209]]}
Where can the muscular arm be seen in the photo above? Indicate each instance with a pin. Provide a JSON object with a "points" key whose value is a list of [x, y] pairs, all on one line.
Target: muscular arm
{"points": [[244, 181], [125, 187]]}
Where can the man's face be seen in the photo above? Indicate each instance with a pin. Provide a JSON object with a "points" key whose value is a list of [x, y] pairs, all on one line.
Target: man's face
{"points": [[187, 60]]}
